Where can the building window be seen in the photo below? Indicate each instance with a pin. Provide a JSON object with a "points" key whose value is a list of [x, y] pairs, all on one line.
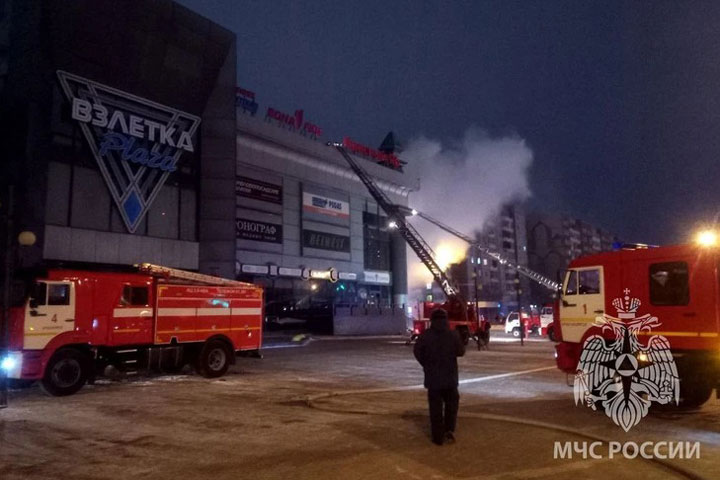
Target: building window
{"points": [[376, 242], [669, 284]]}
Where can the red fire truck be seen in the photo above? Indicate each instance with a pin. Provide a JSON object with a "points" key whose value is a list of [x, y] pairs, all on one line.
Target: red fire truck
{"points": [[75, 324], [474, 327], [677, 284]]}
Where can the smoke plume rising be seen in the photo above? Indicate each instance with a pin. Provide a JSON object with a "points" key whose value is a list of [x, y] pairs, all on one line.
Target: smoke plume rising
{"points": [[463, 184]]}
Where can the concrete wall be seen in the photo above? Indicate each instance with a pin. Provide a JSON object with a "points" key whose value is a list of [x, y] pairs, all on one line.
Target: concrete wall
{"points": [[217, 188]]}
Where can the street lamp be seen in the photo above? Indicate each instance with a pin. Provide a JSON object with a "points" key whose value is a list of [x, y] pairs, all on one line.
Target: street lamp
{"points": [[25, 239]]}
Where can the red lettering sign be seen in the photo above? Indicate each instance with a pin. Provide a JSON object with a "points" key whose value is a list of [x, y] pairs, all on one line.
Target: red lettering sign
{"points": [[245, 93], [294, 122], [383, 158]]}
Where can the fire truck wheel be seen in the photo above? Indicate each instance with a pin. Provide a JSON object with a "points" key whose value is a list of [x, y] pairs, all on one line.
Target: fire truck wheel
{"points": [[551, 334], [214, 359], [464, 335], [696, 385], [516, 332], [66, 372], [694, 392]]}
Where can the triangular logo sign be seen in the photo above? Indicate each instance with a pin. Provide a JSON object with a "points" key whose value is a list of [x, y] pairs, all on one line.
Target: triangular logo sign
{"points": [[137, 143]]}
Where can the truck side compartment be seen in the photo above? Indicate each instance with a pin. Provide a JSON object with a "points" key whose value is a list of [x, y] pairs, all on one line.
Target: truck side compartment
{"points": [[79, 324]]}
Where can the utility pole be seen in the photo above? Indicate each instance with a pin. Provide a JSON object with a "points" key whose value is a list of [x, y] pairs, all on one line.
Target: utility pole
{"points": [[475, 277], [7, 281]]}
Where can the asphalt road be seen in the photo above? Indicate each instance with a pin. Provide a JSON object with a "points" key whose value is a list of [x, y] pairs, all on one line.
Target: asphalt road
{"points": [[338, 408]]}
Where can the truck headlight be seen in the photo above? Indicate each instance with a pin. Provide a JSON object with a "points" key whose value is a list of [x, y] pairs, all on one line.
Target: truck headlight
{"points": [[8, 363], [11, 364]]}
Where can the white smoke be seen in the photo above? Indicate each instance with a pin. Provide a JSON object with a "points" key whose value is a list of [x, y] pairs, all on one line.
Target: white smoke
{"points": [[463, 185]]}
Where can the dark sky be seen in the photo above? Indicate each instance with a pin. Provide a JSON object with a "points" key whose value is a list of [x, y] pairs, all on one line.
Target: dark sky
{"points": [[619, 100]]}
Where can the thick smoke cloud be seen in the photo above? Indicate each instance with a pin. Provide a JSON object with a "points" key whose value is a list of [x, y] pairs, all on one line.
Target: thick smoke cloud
{"points": [[463, 184]]}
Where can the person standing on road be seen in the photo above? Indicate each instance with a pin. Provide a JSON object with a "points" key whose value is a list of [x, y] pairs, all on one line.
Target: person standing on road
{"points": [[437, 350]]}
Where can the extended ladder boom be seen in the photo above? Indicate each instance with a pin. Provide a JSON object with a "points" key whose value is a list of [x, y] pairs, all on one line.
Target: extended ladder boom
{"points": [[532, 275], [177, 274], [408, 232]]}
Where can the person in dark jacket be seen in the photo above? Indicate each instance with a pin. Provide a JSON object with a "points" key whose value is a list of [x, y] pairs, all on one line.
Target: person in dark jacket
{"points": [[437, 350]]}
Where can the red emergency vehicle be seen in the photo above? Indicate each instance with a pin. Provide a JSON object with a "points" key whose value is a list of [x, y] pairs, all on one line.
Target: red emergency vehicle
{"points": [[75, 324], [677, 284], [472, 326]]}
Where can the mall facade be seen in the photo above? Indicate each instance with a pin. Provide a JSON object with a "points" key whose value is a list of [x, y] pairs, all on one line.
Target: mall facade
{"points": [[126, 139]]}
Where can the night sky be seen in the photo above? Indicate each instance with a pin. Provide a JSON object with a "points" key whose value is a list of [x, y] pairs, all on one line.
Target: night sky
{"points": [[618, 100]]}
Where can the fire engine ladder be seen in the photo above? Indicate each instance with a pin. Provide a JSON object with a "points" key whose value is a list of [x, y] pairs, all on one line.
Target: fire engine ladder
{"points": [[408, 232], [177, 274], [532, 275]]}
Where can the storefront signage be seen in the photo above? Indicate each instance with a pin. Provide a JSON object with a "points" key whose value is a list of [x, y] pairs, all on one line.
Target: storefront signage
{"points": [[331, 275], [347, 276], [387, 159], [326, 241], [325, 205], [290, 272], [257, 190], [377, 277], [137, 143], [293, 122], [245, 99], [258, 231], [257, 269]]}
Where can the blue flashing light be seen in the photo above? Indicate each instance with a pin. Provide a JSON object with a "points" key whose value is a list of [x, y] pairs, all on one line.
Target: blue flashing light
{"points": [[7, 364]]}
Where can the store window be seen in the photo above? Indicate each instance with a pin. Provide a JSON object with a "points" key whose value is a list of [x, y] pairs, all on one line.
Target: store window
{"points": [[376, 242]]}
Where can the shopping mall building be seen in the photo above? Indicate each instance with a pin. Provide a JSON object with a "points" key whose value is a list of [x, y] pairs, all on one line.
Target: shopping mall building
{"points": [[125, 139]]}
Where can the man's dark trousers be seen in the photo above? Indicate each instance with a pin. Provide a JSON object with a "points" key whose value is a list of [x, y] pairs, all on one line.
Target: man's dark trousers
{"points": [[439, 423]]}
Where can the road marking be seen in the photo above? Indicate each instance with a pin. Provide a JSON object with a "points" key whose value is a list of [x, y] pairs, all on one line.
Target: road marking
{"points": [[504, 375], [311, 398], [545, 472]]}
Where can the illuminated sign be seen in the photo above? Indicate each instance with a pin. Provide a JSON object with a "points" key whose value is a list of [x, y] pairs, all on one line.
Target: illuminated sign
{"points": [[313, 203], [257, 190], [293, 122], [259, 269], [387, 159], [377, 277], [290, 272], [326, 241], [137, 143], [258, 231], [330, 274], [245, 99]]}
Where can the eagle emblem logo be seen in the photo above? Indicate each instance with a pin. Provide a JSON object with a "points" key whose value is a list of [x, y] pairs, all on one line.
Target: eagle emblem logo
{"points": [[620, 374]]}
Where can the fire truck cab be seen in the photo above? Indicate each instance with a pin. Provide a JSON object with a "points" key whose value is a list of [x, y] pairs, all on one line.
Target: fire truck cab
{"points": [[75, 324], [677, 284]]}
